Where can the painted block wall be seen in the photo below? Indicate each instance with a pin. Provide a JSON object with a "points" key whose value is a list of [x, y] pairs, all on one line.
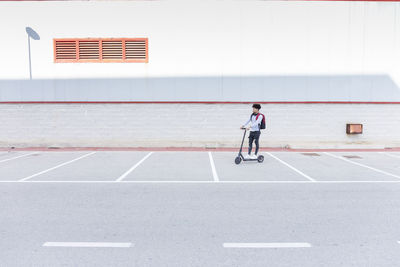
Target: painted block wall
{"points": [[195, 125]]}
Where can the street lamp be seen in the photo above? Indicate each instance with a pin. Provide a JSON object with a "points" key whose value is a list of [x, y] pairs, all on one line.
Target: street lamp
{"points": [[35, 36]]}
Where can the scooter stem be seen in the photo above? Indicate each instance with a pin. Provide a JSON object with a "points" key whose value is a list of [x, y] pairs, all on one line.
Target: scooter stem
{"points": [[241, 146]]}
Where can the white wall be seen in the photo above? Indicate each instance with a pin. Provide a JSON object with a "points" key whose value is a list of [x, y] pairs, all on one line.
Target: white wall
{"points": [[204, 51], [208, 50], [195, 125]]}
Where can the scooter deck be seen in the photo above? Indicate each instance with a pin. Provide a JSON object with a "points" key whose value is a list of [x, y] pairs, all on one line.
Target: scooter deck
{"points": [[246, 159]]}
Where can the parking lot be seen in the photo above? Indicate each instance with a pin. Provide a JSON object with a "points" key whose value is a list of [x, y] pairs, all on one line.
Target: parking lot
{"points": [[166, 208], [198, 167]]}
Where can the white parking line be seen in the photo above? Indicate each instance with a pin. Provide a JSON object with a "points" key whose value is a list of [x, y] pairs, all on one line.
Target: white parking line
{"points": [[55, 167], [266, 245], [133, 167], [291, 167], [214, 171], [363, 165], [25, 155], [88, 244], [390, 155]]}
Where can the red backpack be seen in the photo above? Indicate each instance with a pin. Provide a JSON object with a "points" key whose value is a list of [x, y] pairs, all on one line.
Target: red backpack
{"points": [[262, 125]]}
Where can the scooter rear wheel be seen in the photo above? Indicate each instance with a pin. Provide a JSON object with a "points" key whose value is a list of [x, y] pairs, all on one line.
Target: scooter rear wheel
{"points": [[238, 160], [260, 158]]}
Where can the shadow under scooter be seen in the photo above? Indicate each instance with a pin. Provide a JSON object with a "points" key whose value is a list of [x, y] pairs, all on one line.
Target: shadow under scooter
{"points": [[240, 157]]}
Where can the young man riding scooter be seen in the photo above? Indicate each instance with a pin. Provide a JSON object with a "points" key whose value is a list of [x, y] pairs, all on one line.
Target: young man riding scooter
{"points": [[255, 121]]}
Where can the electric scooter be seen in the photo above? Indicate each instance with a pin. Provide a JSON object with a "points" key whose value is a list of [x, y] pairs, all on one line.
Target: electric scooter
{"points": [[240, 157]]}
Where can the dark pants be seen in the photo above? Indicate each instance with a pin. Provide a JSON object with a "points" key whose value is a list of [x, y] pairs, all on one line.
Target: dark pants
{"points": [[254, 136]]}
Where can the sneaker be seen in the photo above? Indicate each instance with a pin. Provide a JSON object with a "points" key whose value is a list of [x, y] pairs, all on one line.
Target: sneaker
{"points": [[247, 156], [253, 157]]}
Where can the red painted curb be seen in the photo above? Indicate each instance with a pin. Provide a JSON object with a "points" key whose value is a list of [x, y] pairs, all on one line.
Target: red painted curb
{"points": [[180, 149]]}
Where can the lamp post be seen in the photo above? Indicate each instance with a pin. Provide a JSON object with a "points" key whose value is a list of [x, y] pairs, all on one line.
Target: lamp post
{"points": [[35, 36]]}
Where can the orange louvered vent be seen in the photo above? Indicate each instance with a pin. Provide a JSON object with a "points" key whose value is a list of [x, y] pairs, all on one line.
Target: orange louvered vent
{"points": [[136, 50], [65, 50], [112, 50], [101, 50], [89, 50]]}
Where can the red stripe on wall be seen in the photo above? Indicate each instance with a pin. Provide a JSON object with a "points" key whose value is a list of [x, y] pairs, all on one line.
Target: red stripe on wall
{"points": [[345, 0], [274, 0], [197, 102]]}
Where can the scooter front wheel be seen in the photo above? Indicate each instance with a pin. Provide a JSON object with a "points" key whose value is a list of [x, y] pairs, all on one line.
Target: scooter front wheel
{"points": [[238, 160], [260, 158]]}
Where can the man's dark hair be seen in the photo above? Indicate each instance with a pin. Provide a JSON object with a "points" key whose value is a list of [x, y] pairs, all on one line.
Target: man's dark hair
{"points": [[257, 106]]}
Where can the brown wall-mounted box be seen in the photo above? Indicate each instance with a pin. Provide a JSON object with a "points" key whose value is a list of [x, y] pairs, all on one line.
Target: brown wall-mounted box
{"points": [[354, 128]]}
